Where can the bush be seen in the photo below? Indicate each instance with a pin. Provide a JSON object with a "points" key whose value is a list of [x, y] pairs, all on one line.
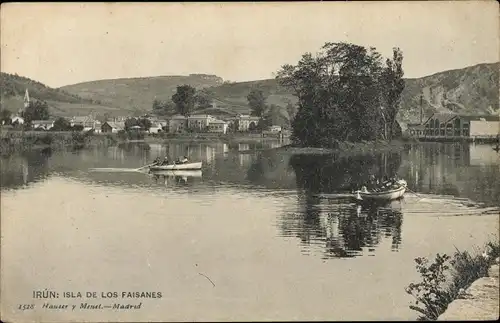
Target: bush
{"points": [[441, 284], [45, 139]]}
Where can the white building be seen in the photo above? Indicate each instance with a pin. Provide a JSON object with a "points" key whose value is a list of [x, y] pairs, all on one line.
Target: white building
{"points": [[246, 122], [42, 124], [275, 128], [218, 126], [200, 122], [18, 119]]}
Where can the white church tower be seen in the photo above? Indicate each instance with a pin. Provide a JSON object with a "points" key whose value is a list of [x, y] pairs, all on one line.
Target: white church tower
{"points": [[26, 99]]}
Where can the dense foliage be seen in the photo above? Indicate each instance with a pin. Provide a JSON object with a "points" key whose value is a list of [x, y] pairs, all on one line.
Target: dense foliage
{"points": [[446, 279], [144, 123], [184, 99], [345, 93], [256, 102], [37, 110]]}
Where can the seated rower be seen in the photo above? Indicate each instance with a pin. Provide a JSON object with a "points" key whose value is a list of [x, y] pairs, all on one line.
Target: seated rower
{"points": [[184, 160], [165, 161]]}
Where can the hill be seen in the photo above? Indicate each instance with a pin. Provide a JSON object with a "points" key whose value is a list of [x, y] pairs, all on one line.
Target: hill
{"points": [[470, 90], [138, 93], [61, 103]]}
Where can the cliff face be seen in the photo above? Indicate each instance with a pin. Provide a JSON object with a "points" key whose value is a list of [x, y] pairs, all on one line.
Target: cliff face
{"points": [[471, 90]]}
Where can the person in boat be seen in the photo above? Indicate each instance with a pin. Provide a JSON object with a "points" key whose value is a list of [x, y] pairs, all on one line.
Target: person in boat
{"points": [[183, 160], [157, 161], [165, 161], [372, 183]]}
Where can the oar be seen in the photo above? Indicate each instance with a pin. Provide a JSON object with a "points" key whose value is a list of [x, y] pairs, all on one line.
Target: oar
{"points": [[146, 166], [420, 197]]}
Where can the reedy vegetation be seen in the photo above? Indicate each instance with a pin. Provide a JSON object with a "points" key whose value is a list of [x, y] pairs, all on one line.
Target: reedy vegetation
{"points": [[345, 93], [447, 277]]}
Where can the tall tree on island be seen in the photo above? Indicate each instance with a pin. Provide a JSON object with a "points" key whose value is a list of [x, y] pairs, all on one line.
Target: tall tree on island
{"points": [[392, 84], [256, 102], [184, 100], [340, 95]]}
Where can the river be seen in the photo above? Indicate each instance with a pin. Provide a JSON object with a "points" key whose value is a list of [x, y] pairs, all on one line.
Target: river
{"points": [[259, 235]]}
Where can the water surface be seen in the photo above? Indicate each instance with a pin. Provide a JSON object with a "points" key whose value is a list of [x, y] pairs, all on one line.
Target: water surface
{"points": [[271, 231]]}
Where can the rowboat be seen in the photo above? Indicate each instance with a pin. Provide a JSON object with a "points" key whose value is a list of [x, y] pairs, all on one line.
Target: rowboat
{"points": [[186, 166], [174, 173], [384, 196]]}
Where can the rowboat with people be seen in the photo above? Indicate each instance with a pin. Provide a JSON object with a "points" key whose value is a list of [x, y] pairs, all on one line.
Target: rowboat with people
{"points": [[388, 190], [173, 173], [181, 164], [175, 166]]}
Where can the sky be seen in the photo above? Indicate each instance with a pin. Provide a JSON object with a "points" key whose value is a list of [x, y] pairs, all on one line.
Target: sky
{"points": [[66, 43]]}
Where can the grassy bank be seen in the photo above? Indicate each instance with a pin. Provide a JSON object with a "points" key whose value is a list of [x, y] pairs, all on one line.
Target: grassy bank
{"points": [[210, 137], [15, 141], [446, 279], [346, 148]]}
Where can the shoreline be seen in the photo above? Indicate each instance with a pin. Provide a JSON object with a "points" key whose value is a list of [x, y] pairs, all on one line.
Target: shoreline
{"points": [[464, 286], [480, 301]]}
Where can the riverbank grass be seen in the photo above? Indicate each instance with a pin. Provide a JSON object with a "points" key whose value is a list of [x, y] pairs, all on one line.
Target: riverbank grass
{"points": [[447, 278], [15, 141], [347, 148]]}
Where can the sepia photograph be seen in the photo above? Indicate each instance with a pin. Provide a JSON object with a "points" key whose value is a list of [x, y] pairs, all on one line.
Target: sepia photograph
{"points": [[249, 161]]}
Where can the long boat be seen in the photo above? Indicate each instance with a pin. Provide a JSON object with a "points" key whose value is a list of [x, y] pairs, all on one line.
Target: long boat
{"points": [[383, 196], [174, 173], [186, 166]]}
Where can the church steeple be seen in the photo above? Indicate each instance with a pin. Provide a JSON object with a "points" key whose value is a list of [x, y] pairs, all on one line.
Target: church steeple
{"points": [[26, 99]]}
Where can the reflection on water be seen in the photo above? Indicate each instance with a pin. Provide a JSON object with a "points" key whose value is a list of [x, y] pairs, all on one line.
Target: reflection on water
{"points": [[336, 228], [256, 220]]}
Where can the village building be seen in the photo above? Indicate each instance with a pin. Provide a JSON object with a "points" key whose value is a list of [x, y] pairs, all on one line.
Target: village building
{"points": [[275, 128], [86, 122], [200, 122], [246, 122], [112, 126], [42, 124], [17, 120], [451, 125], [155, 128], [218, 126]]}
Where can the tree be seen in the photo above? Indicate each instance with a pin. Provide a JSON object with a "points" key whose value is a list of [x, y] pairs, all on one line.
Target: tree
{"points": [[264, 123], [184, 99], [203, 100], [61, 124], [5, 116], [273, 114], [257, 102], [340, 92], [37, 110], [144, 123], [131, 122], [392, 85], [234, 126], [162, 108], [292, 111]]}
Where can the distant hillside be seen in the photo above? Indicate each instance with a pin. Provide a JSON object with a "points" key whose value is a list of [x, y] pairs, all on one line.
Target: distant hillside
{"points": [[470, 90], [61, 103], [139, 93]]}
